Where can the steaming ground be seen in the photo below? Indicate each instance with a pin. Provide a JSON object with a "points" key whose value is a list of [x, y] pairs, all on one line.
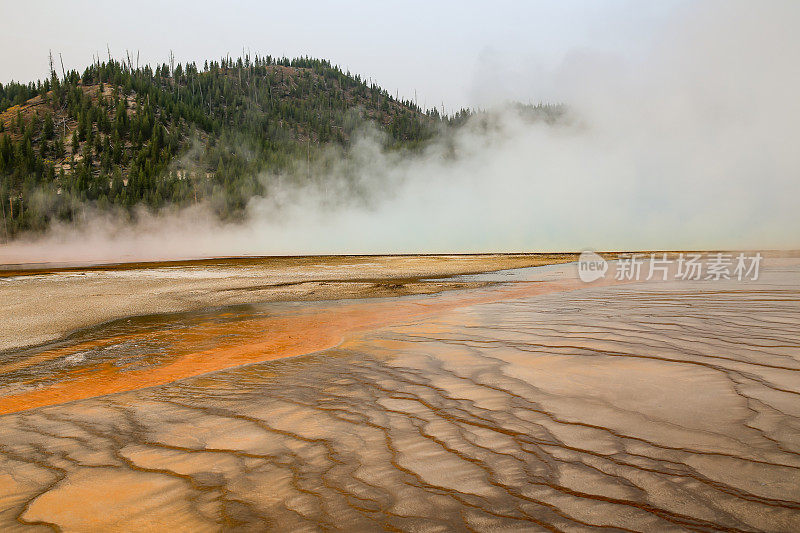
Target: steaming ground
{"points": [[691, 145]]}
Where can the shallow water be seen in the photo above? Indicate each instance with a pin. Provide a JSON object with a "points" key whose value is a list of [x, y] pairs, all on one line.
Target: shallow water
{"points": [[532, 405]]}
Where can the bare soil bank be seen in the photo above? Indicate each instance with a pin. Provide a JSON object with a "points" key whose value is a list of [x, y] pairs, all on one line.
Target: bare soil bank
{"points": [[42, 304]]}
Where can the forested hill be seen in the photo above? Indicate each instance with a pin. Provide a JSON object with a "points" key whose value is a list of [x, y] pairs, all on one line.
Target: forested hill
{"points": [[121, 135]]}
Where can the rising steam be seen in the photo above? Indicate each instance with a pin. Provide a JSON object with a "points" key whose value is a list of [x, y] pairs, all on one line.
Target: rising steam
{"points": [[694, 145]]}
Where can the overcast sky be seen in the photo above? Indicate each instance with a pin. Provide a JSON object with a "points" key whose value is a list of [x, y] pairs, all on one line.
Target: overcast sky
{"points": [[453, 53]]}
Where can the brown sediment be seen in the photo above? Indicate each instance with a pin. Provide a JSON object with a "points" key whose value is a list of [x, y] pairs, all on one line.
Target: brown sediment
{"points": [[450, 263], [643, 407], [45, 304], [236, 343]]}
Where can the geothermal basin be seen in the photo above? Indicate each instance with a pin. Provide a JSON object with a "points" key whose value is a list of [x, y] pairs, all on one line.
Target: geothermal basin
{"points": [[466, 393]]}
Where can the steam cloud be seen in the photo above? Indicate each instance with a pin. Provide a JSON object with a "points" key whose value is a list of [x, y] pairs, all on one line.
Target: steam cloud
{"points": [[691, 146]]}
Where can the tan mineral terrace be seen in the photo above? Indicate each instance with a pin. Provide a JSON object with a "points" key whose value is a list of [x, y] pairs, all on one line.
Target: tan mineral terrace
{"points": [[532, 403], [41, 304]]}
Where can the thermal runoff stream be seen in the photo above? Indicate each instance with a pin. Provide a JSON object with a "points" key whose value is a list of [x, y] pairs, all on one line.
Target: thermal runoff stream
{"points": [[535, 403]]}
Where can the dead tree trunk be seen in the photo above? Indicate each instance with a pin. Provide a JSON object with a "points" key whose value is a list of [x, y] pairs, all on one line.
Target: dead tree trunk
{"points": [[5, 222]]}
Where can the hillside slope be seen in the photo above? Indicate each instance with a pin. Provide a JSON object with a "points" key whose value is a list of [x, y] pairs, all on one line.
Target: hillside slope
{"points": [[119, 136]]}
